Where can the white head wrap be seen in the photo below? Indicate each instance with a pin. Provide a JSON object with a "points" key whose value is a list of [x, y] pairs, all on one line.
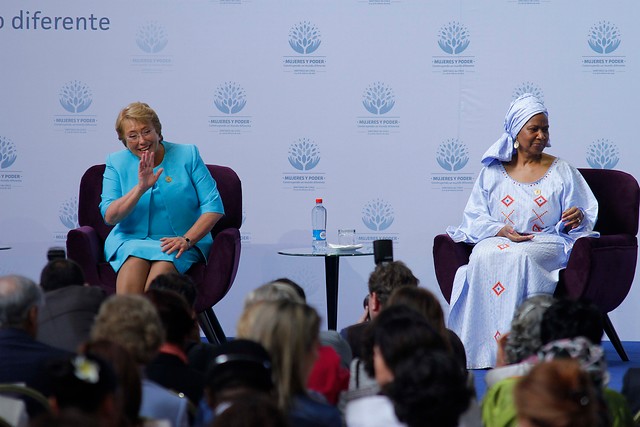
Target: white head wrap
{"points": [[520, 111]]}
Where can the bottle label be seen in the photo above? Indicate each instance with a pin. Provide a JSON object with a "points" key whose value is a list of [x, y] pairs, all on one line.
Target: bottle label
{"points": [[319, 235]]}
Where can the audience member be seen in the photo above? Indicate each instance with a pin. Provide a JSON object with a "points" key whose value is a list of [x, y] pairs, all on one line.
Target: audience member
{"points": [[198, 352], [133, 322], [70, 307], [330, 374], [557, 393], [289, 332], [23, 358], [254, 410], [87, 384], [522, 341], [239, 368], [170, 367], [420, 379], [129, 393], [386, 277], [567, 318]]}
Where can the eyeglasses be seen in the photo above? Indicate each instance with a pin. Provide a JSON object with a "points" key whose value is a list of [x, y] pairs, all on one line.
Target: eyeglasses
{"points": [[133, 137]]}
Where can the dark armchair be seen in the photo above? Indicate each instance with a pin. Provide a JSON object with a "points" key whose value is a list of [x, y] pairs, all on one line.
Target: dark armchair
{"points": [[599, 269], [85, 245]]}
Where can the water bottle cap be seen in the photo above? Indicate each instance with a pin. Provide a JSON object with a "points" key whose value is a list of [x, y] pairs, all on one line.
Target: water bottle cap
{"points": [[318, 200]]}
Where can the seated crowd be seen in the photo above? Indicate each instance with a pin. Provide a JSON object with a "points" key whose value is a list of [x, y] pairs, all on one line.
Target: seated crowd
{"points": [[72, 356]]}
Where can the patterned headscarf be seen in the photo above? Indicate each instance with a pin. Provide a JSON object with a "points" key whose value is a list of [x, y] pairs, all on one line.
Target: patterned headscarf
{"points": [[520, 111], [590, 356]]}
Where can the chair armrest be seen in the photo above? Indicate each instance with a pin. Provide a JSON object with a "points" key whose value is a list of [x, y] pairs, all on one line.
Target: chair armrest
{"points": [[448, 256], [85, 248], [601, 269], [221, 268]]}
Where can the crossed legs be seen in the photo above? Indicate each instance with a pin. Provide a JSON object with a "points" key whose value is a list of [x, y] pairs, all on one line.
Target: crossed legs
{"points": [[136, 274]]}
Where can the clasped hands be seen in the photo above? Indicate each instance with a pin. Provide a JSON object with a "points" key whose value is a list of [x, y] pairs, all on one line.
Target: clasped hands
{"points": [[571, 217]]}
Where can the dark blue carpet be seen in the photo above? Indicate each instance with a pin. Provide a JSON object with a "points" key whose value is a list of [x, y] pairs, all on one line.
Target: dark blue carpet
{"points": [[617, 367]]}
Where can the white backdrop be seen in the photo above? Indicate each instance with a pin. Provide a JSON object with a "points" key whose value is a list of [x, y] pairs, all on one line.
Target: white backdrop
{"points": [[381, 107]]}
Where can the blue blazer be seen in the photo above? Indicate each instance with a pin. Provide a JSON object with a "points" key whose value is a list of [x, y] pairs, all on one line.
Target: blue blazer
{"points": [[188, 190]]}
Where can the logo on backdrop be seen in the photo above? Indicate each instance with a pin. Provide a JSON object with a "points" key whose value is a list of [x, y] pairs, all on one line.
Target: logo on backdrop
{"points": [[528, 87], [245, 236], [604, 39], [152, 38], [378, 99], [304, 40], [453, 39], [229, 99], [68, 215], [377, 216], [452, 155], [9, 177], [603, 154], [304, 156], [75, 97]]}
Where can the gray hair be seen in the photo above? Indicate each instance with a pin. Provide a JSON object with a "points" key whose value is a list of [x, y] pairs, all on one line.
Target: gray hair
{"points": [[18, 295], [524, 338]]}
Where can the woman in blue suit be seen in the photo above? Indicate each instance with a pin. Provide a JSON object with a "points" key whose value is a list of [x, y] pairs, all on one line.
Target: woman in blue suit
{"points": [[162, 200]]}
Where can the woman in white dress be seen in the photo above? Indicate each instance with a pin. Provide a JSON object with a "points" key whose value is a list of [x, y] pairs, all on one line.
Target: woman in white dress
{"points": [[526, 210]]}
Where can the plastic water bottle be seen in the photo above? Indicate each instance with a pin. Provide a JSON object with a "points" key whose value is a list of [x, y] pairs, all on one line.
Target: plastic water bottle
{"points": [[319, 226]]}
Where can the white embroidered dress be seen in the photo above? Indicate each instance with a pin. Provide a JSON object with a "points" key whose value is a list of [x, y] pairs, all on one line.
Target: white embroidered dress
{"points": [[501, 273]]}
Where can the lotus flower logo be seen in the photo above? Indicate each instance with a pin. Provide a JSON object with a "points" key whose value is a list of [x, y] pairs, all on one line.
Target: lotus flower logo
{"points": [[452, 155], [304, 154], [230, 98], [604, 37], [69, 213], [304, 38], [603, 154], [75, 97], [377, 215], [8, 153], [152, 38], [528, 87], [378, 98], [453, 38]]}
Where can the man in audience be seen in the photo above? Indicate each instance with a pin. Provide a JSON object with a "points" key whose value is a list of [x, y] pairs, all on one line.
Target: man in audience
{"points": [[23, 358], [70, 305], [386, 277]]}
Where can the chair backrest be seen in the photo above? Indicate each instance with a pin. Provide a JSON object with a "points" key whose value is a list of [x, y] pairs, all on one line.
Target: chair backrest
{"points": [[618, 196], [228, 182]]}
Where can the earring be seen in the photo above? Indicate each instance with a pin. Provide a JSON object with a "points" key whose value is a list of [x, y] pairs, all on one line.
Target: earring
{"points": [[516, 145]]}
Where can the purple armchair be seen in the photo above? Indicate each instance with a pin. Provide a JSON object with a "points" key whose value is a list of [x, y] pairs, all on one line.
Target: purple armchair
{"points": [[85, 245], [599, 269]]}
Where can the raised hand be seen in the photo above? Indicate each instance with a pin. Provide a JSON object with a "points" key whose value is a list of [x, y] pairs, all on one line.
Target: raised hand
{"points": [[146, 177]]}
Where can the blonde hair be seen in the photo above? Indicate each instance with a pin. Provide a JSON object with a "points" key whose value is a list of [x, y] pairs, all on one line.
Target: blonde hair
{"points": [[131, 321], [138, 112], [288, 330], [272, 291]]}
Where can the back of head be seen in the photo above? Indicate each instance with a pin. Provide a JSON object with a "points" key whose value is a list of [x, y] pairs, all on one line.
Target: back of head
{"points": [[239, 365], [429, 385], [176, 282], [175, 314], [398, 331], [18, 295], [126, 371], [421, 300], [570, 319], [289, 331], [388, 276], [132, 322], [524, 337], [253, 410], [82, 382], [276, 290], [59, 273], [557, 393]]}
